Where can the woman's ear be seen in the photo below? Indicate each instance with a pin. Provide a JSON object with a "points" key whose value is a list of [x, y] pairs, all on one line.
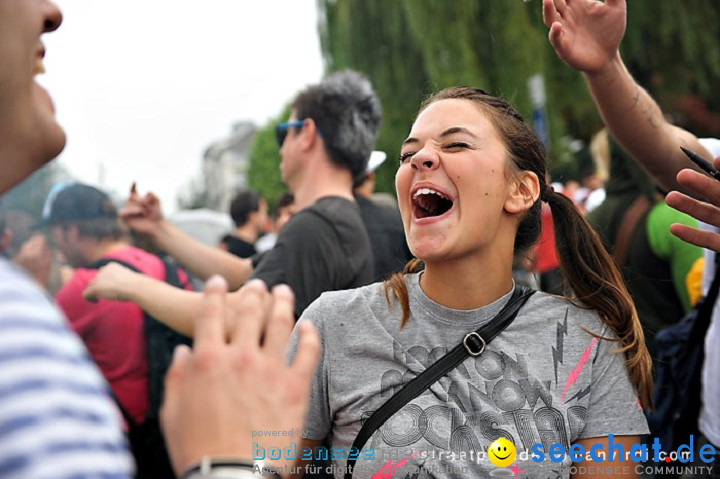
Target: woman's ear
{"points": [[524, 192]]}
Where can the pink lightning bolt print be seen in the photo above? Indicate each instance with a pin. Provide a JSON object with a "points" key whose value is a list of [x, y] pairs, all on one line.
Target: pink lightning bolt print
{"points": [[575, 373]]}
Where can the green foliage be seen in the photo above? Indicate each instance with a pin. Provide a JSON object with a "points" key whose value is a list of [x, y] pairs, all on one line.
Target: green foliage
{"points": [[410, 48], [264, 170]]}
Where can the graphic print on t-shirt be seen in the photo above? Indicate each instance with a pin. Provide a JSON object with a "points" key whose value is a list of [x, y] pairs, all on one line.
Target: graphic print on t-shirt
{"points": [[491, 396]]}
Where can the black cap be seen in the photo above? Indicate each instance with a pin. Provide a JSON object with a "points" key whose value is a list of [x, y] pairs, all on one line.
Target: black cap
{"points": [[71, 202]]}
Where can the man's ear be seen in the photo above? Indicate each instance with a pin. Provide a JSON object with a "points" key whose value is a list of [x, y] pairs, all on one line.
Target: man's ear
{"points": [[524, 192], [309, 133]]}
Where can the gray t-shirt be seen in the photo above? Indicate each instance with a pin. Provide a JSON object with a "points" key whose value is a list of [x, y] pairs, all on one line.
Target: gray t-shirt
{"points": [[544, 380]]}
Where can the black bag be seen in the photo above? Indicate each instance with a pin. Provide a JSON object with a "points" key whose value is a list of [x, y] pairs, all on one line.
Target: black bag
{"points": [[146, 440], [681, 351]]}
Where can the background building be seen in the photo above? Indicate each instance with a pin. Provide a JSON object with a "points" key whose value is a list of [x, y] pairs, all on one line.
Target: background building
{"points": [[225, 165]]}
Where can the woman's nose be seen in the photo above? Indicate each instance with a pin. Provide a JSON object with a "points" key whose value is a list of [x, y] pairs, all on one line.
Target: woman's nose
{"points": [[425, 159], [53, 17]]}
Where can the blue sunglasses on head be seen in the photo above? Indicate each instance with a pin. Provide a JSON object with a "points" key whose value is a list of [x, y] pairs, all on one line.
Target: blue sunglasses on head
{"points": [[281, 130]]}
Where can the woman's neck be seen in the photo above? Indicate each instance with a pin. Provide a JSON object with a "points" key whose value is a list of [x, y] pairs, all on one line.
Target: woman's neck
{"points": [[465, 284]]}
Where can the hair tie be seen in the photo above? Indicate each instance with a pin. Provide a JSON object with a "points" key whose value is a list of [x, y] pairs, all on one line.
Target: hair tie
{"points": [[548, 192]]}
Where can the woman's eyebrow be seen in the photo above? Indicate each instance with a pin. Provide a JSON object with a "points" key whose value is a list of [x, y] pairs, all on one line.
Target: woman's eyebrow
{"points": [[409, 141], [448, 132], [457, 129]]}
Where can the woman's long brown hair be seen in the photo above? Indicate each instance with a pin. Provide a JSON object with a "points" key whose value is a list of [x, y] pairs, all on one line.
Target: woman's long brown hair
{"points": [[586, 265]]}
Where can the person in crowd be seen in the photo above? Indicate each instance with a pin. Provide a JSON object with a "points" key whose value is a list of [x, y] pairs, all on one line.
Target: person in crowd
{"points": [[662, 272], [383, 224], [324, 147], [470, 184], [284, 209], [85, 228], [248, 211], [587, 35], [57, 417]]}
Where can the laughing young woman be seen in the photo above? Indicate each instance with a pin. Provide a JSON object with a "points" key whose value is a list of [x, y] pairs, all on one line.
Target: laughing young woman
{"points": [[567, 372]]}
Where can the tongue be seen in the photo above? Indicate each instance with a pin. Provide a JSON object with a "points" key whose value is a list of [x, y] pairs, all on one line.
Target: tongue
{"points": [[432, 205]]}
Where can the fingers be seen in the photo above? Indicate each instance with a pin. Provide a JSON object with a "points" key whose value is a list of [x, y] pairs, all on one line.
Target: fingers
{"points": [[130, 210], [173, 386], [151, 199], [180, 361], [281, 322], [699, 210], [550, 13], [615, 3], [555, 35], [253, 309], [701, 184], [89, 294], [308, 351], [553, 20], [209, 324], [561, 6], [704, 239]]}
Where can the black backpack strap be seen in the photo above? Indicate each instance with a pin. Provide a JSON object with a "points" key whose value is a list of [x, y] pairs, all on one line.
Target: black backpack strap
{"points": [[105, 261], [473, 344]]}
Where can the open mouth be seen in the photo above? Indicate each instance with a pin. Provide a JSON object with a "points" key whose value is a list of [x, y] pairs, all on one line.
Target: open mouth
{"points": [[39, 67], [428, 203]]}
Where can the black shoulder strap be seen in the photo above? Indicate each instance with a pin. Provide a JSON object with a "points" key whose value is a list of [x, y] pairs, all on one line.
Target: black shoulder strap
{"points": [[472, 345], [102, 262], [704, 316]]}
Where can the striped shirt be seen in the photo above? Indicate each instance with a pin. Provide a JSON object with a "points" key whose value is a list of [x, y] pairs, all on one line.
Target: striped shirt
{"points": [[56, 418]]}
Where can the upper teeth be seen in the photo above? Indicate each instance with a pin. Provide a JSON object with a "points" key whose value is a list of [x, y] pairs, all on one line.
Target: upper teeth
{"points": [[428, 191]]}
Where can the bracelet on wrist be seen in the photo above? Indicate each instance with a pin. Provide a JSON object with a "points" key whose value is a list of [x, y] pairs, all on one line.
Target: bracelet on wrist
{"points": [[228, 468]]}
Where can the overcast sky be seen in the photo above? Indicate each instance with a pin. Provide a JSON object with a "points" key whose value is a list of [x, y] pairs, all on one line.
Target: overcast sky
{"points": [[142, 87]]}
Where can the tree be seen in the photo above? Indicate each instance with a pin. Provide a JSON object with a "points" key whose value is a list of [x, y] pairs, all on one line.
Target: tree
{"points": [[410, 48], [264, 169]]}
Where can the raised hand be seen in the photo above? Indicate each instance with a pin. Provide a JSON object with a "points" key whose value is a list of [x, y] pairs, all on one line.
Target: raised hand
{"points": [[705, 211], [230, 385], [142, 214], [585, 34]]}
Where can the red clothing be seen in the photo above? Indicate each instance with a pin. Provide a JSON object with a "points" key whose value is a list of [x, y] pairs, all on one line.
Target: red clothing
{"points": [[113, 331], [546, 257]]}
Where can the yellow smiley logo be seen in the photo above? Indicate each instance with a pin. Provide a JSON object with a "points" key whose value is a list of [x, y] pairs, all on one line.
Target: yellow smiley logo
{"points": [[502, 452]]}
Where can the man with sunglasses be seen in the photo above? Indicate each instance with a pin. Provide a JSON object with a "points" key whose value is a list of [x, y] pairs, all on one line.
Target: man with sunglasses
{"points": [[324, 146]]}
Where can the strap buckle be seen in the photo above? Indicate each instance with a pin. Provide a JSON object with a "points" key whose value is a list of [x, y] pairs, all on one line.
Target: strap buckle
{"points": [[469, 347]]}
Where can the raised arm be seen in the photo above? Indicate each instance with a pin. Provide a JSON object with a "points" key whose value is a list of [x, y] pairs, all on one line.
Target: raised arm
{"points": [[172, 306], [586, 34], [144, 215]]}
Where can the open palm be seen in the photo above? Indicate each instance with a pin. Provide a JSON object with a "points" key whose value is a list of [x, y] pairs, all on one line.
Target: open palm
{"points": [[585, 34]]}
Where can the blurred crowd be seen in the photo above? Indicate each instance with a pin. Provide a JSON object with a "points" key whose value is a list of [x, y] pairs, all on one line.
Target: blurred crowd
{"points": [[136, 344]]}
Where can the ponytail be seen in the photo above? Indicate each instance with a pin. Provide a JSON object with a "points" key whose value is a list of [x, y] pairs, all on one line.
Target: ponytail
{"points": [[598, 284], [396, 283]]}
